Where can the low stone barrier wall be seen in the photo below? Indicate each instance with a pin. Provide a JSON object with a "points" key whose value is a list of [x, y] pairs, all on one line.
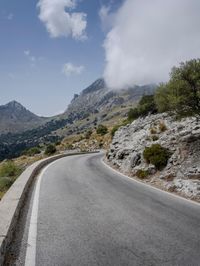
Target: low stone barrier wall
{"points": [[12, 202]]}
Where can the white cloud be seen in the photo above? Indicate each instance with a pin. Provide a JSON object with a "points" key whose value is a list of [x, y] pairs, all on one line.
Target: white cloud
{"points": [[148, 38], [71, 69], [105, 16], [62, 23]]}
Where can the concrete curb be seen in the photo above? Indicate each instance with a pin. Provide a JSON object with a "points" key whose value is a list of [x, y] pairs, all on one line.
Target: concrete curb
{"points": [[12, 202]]}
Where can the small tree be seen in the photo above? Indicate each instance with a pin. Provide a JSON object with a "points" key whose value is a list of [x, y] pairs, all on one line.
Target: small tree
{"points": [[182, 93], [102, 130], [50, 149], [133, 114], [147, 105], [188, 75]]}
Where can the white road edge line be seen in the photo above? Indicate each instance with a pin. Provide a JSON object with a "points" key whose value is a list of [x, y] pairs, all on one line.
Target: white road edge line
{"points": [[30, 259], [152, 187]]}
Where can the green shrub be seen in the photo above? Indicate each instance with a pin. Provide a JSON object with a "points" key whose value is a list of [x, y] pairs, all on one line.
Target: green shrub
{"points": [[114, 129], [32, 151], [157, 155], [100, 145], [9, 169], [147, 105], [133, 114], [142, 174], [50, 149], [58, 142], [102, 130]]}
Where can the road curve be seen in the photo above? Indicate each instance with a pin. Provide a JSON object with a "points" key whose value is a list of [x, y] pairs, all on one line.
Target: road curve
{"points": [[90, 215]]}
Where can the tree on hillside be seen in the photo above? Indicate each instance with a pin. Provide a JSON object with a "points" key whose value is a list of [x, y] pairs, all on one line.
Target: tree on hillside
{"points": [[182, 92], [145, 106], [102, 130], [50, 149]]}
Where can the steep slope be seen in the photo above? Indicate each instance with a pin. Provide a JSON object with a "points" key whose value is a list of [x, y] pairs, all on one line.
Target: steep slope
{"points": [[97, 104], [16, 118], [181, 172], [98, 98]]}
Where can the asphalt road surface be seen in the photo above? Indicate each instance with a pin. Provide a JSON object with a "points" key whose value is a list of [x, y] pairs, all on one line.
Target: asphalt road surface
{"points": [[84, 213]]}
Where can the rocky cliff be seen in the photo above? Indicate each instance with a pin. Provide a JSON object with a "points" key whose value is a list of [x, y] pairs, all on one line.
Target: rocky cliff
{"points": [[181, 138], [97, 98]]}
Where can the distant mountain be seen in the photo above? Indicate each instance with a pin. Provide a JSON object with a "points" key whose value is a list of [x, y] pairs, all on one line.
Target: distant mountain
{"points": [[20, 129], [15, 118], [97, 98]]}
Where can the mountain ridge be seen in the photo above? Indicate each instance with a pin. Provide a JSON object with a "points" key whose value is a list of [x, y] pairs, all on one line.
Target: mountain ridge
{"points": [[15, 118]]}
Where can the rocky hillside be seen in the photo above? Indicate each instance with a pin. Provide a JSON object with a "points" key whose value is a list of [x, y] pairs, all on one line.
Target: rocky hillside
{"points": [[97, 104], [98, 98], [181, 138], [16, 118]]}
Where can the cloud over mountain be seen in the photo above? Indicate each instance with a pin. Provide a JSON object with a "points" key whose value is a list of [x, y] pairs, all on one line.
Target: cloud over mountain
{"points": [[148, 38], [60, 20]]}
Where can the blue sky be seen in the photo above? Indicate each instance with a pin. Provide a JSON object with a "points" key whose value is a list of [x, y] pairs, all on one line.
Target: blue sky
{"points": [[51, 49], [31, 61]]}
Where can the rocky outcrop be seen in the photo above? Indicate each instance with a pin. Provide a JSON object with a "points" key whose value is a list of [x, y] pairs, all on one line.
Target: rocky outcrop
{"points": [[182, 138], [97, 98]]}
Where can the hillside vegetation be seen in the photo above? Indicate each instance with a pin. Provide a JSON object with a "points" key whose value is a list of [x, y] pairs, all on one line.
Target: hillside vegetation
{"points": [[161, 142]]}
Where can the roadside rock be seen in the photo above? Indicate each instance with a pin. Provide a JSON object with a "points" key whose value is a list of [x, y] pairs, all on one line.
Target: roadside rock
{"points": [[182, 138]]}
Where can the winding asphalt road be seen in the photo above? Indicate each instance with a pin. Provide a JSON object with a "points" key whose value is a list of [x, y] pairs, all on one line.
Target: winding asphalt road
{"points": [[90, 215]]}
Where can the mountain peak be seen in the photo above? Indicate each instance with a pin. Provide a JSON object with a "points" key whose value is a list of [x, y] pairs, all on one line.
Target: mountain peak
{"points": [[14, 117], [99, 84], [15, 104]]}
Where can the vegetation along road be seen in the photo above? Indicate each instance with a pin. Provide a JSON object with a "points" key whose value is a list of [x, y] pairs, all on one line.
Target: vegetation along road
{"points": [[81, 212]]}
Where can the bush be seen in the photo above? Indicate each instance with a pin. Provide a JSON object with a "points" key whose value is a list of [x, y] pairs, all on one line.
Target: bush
{"points": [[58, 142], [32, 151], [145, 106], [133, 114], [50, 149], [114, 129], [9, 169], [157, 155], [88, 134], [142, 174], [102, 130]]}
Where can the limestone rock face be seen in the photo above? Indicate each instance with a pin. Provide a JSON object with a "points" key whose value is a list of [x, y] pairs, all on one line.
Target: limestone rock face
{"points": [[181, 137]]}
